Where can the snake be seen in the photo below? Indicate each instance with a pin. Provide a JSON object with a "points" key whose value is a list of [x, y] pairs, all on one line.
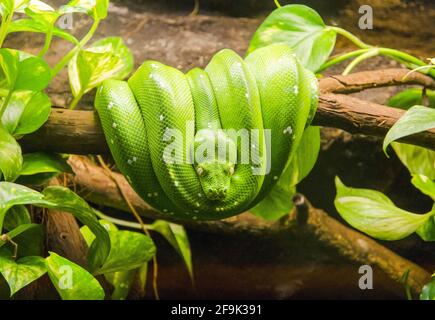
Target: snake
{"points": [[213, 142]]}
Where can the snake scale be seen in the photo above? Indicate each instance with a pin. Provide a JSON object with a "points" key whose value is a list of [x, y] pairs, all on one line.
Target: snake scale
{"points": [[169, 131]]}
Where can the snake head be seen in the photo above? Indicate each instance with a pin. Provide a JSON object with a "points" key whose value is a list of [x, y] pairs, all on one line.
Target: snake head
{"points": [[213, 165]]}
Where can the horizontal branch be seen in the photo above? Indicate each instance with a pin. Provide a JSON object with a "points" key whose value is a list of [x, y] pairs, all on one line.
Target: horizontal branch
{"points": [[80, 132], [306, 223]]}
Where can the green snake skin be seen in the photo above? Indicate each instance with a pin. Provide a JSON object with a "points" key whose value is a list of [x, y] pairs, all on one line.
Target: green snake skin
{"points": [[168, 131]]}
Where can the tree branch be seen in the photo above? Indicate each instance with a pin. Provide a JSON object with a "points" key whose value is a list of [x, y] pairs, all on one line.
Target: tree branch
{"points": [[303, 224], [80, 132]]}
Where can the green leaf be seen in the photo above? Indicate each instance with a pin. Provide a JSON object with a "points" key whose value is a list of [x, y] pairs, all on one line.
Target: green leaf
{"points": [[302, 29], [29, 25], [71, 281], [375, 214], [177, 237], [424, 184], [28, 238], [428, 291], [107, 59], [40, 166], [27, 111], [122, 282], [416, 119], [411, 97], [22, 272], [129, 250], [61, 198], [94, 8], [417, 159], [16, 216], [90, 237], [11, 158], [22, 71], [6, 6], [42, 12]]}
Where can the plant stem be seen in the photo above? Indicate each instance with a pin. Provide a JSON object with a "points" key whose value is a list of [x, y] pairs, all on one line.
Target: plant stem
{"points": [[354, 39], [120, 222], [359, 59], [48, 38], [7, 19], [5, 103], [64, 61], [277, 4], [76, 101], [341, 58]]}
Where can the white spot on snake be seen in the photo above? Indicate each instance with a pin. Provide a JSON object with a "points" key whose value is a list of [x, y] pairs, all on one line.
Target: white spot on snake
{"points": [[176, 183], [171, 213], [200, 195], [149, 195], [209, 125], [196, 211], [162, 117], [201, 76], [151, 76], [114, 125], [111, 141], [295, 89], [288, 130], [153, 65], [129, 161], [217, 209], [165, 210], [197, 204], [134, 159], [195, 217], [236, 203], [247, 95], [110, 105], [238, 64], [155, 194], [253, 146], [275, 178]]}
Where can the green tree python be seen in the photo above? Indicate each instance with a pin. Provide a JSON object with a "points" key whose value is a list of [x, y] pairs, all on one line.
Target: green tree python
{"points": [[213, 142]]}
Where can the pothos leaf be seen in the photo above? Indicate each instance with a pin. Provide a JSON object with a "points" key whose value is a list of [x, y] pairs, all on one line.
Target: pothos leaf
{"points": [[428, 291], [411, 97], [27, 111], [28, 238], [29, 25], [94, 8], [11, 158], [16, 216], [375, 214], [416, 119], [424, 184], [302, 29], [71, 281], [107, 59], [20, 273], [417, 159]]}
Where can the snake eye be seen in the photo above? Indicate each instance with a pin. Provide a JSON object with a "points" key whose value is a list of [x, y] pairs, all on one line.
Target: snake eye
{"points": [[200, 171], [231, 170]]}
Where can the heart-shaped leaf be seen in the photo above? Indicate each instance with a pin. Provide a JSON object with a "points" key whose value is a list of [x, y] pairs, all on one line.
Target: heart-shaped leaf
{"points": [[424, 184], [61, 198], [375, 214], [97, 9], [417, 159], [411, 97], [71, 281], [11, 158], [302, 29], [107, 59], [29, 25], [22, 272], [27, 111], [129, 250], [428, 291], [416, 119], [15, 217]]}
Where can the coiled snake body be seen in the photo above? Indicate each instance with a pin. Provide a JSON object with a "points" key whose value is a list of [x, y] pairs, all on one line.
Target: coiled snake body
{"points": [[158, 122]]}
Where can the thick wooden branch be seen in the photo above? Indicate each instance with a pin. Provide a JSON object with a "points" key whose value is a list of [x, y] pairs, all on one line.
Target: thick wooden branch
{"points": [[304, 224], [79, 132]]}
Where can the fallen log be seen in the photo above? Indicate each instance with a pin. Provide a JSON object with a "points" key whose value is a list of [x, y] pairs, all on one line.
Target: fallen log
{"points": [[80, 132]]}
